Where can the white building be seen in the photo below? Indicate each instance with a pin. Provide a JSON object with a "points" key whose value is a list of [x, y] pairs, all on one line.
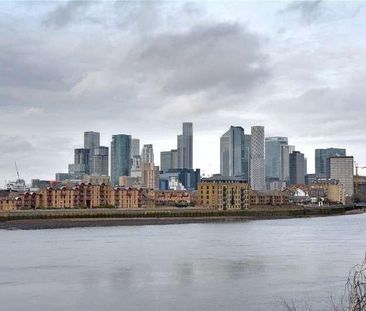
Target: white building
{"points": [[257, 170], [341, 168]]}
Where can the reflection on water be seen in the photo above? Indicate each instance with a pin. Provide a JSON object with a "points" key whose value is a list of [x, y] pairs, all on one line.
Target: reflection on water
{"points": [[231, 266]]}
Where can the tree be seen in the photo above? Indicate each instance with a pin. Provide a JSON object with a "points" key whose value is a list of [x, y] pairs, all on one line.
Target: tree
{"points": [[354, 298]]}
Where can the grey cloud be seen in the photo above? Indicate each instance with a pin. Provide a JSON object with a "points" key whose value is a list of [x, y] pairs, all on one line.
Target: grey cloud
{"points": [[309, 11], [327, 112], [192, 8], [143, 16], [132, 79], [219, 58], [66, 13], [15, 144]]}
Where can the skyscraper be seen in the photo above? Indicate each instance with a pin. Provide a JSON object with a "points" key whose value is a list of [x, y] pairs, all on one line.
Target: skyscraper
{"points": [[297, 168], [81, 159], [149, 172], [91, 140], [185, 146], [135, 147], [174, 155], [147, 154], [120, 157], [273, 156], [257, 178], [286, 150], [321, 160], [232, 152], [165, 160], [100, 161], [247, 152], [136, 166], [180, 151], [341, 168], [80, 167]]}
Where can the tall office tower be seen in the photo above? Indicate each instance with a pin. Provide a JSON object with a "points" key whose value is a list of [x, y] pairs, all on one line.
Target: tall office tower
{"points": [[247, 152], [286, 150], [100, 161], [147, 154], [341, 168], [224, 154], [81, 159], [80, 167], [150, 175], [149, 172], [257, 178], [136, 166], [174, 155], [273, 156], [185, 146], [179, 151], [232, 152], [297, 168], [321, 160], [120, 157], [165, 160], [91, 140], [135, 147]]}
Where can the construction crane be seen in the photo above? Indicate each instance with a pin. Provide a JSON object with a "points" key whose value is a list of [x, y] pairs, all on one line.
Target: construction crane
{"points": [[16, 168]]}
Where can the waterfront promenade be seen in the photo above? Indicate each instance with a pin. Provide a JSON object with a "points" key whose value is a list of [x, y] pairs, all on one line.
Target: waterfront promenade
{"points": [[64, 218]]}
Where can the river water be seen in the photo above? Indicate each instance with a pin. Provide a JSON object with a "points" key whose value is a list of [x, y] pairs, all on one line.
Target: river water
{"points": [[229, 266]]}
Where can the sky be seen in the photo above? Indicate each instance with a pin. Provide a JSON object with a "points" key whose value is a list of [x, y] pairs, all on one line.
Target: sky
{"points": [[142, 68]]}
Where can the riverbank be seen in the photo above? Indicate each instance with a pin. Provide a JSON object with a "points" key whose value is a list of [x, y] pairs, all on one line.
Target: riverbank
{"points": [[52, 219]]}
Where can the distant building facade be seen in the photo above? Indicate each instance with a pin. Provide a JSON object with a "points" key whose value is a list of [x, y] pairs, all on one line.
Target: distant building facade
{"points": [[120, 157], [257, 168], [297, 168], [100, 161], [247, 153], [185, 146], [165, 160], [273, 156], [147, 154], [322, 160], [341, 168], [135, 147], [286, 150], [232, 148], [224, 193]]}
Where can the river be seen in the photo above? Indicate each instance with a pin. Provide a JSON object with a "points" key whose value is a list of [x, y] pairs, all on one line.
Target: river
{"points": [[247, 266]]}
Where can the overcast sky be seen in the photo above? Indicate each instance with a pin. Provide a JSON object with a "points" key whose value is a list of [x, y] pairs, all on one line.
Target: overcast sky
{"points": [[142, 68]]}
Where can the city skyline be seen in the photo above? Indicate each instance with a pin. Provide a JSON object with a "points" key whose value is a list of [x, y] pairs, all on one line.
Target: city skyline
{"points": [[156, 154], [89, 66]]}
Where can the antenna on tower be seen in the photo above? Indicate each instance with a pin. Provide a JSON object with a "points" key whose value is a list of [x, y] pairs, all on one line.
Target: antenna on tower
{"points": [[16, 168]]}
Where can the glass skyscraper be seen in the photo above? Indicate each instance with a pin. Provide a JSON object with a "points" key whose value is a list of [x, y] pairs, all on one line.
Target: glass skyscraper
{"points": [[297, 168], [135, 147], [286, 150], [232, 148], [185, 146], [247, 152], [165, 160], [120, 157], [100, 161], [322, 160], [91, 142], [273, 156]]}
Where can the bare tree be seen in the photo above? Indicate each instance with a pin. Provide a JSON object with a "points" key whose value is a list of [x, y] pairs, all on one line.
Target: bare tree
{"points": [[354, 298]]}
